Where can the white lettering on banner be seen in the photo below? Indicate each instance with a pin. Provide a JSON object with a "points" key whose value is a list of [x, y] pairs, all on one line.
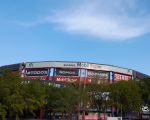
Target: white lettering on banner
{"points": [[36, 73], [122, 77], [38, 78], [66, 79], [100, 74], [67, 72]]}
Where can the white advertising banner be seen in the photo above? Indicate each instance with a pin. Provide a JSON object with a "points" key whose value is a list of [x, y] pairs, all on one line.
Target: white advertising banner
{"points": [[51, 64], [109, 68]]}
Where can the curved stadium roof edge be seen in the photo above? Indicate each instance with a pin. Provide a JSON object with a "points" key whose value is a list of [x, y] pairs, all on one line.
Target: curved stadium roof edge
{"points": [[81, 62], [76, 64]]}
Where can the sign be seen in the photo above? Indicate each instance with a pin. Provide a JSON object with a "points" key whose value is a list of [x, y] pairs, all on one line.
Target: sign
{"points": [[83, 72], [82, 65], [98, 74], [118, 76], [37, 72], [66, 72], [114, 118], [66, 79], [51, 64], [69, 65], [38, 78]]}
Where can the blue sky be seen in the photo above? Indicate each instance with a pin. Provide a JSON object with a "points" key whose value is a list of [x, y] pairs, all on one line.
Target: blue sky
{"points": [[113, 32]]}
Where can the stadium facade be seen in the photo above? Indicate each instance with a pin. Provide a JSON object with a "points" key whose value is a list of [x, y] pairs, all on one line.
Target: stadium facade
{"points": [[70, 72]]}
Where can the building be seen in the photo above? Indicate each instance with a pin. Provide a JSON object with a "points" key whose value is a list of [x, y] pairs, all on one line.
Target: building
{"points": [[62, 72], [68, 72]]}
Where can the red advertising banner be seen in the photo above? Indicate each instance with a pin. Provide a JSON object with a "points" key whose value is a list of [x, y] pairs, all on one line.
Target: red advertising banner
{"points": [[38, 78], [118, 76], [65, 79]]}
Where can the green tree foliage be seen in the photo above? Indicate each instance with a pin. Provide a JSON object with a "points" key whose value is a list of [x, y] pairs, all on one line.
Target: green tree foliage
{"points": [[34, 95], [2, 111], [99, 96], [125, 96], [82, 97], [17, 96], [11, 94], [67, 99], [144, 85]]}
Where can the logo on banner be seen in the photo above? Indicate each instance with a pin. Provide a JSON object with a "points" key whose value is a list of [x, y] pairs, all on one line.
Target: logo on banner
{"points": [[80, 64], [30, 64]]}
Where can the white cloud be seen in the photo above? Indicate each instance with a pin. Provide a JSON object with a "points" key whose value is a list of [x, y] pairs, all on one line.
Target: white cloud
{"points": [[109, 19]]}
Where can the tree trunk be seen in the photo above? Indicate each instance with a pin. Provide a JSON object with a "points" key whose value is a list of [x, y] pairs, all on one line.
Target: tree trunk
{"points": [[78, 115], [83, 115], [41, 114], [17, 117], [62, 116], [69, 116], [53, 117]]}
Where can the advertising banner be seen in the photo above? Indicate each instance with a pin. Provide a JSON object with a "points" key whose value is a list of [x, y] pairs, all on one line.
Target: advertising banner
{"points": [[118, 76], [38, 78], [67, 72], [64, 79], [83, 72], [51, 64], [82, 65], [37, 72], [98, 74]]}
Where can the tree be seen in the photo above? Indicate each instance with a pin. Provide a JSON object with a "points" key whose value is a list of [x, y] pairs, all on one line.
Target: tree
{"points": [[145, 91], [125, 96], [34, 96], [99, 97], [3, 111], [18, 96], [11, 94], [67, 99]]}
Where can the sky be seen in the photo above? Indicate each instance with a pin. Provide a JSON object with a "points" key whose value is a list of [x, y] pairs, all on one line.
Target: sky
{"points": [[114, 32]]}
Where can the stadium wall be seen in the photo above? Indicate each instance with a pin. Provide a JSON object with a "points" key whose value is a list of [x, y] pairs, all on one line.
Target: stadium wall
{"points": [[68, 72]]}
